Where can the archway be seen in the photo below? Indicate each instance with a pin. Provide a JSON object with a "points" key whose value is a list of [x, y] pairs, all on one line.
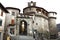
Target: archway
{"points": [[23, 27]]}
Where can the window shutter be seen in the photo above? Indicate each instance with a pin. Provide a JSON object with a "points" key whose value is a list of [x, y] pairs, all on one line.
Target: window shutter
{"points": [[12, 21]]}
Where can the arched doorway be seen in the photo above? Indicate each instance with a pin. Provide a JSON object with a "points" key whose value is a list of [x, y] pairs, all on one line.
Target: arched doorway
{"points": [[23, 27]]}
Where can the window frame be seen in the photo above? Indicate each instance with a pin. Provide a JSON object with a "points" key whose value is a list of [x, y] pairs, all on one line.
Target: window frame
{"points": [[1, 22], [1, 35], [10, 30], [13, 13]]}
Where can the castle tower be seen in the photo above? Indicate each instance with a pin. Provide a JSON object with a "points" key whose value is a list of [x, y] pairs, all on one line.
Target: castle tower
{"points": [[39, 18], [31, 9], [30, 12], [52, 24]]}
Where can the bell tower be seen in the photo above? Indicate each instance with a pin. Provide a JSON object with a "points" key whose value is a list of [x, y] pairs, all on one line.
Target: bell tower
{"points": [[31, 3]]}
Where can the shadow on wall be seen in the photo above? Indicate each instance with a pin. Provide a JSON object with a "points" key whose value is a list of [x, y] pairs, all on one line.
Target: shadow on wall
{"points": [[58, 27]]}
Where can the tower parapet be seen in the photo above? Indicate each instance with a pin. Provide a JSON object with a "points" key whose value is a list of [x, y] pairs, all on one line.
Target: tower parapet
{"points": [[52, 14], [31, 8]]}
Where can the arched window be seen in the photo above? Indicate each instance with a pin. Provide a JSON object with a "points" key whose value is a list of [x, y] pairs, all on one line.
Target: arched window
{"points": [[23, 26]]}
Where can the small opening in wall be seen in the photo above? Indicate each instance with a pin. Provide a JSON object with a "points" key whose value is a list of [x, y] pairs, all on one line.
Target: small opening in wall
{"points": [[13, 13], [1, 13], [31, 4], [12, 31], [33, 22], [28, 24], [39, 12], [0, 22], [36, 23]]}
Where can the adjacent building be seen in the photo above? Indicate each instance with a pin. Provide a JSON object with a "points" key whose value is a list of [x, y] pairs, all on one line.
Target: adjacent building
{"points": [[3, 13], [12, 22]]}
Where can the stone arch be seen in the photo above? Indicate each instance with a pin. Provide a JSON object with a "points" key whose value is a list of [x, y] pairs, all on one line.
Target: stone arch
{"points": [[23, 27]]}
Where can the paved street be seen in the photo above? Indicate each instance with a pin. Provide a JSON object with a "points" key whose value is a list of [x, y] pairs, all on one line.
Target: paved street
{"points": [[27, 38], [22, 38]]}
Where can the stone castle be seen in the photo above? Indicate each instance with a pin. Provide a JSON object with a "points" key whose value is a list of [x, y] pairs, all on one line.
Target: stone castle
{"points": [[32, 19]]}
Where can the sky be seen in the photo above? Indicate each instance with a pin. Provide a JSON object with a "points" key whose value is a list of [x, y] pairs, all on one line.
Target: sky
{"points": [[49, 5]]}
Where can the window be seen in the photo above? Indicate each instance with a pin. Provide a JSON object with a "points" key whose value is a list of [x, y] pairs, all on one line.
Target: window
{"points": [[32, 21], [13, 13], [1, 13], [0, 35], [39, 12], [0, 22], [12, 31], [53, 36], [31, 4], [12, 21], [36, 23]]}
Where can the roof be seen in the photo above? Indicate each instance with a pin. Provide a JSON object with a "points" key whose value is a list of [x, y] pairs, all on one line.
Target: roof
{"points": [[35, 7], [3, 8], [52, 12], [13, 8]]}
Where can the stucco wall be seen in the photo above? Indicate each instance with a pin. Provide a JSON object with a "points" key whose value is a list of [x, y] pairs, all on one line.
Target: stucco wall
{"points": [[3, 21], [10, 16], [12, 10], [3, 24]]}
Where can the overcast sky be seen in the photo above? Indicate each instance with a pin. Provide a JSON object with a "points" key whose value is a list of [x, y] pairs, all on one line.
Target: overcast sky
{"points": [[49, 5]]}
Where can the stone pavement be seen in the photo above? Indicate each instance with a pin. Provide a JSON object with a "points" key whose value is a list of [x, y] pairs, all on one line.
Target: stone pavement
{"points": [[22, 38]]}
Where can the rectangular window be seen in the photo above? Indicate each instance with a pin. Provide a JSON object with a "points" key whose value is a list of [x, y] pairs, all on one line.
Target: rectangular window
{"points": [[1, 13], [13, 13], [0, 35], [0, 22], [12, 31]]}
